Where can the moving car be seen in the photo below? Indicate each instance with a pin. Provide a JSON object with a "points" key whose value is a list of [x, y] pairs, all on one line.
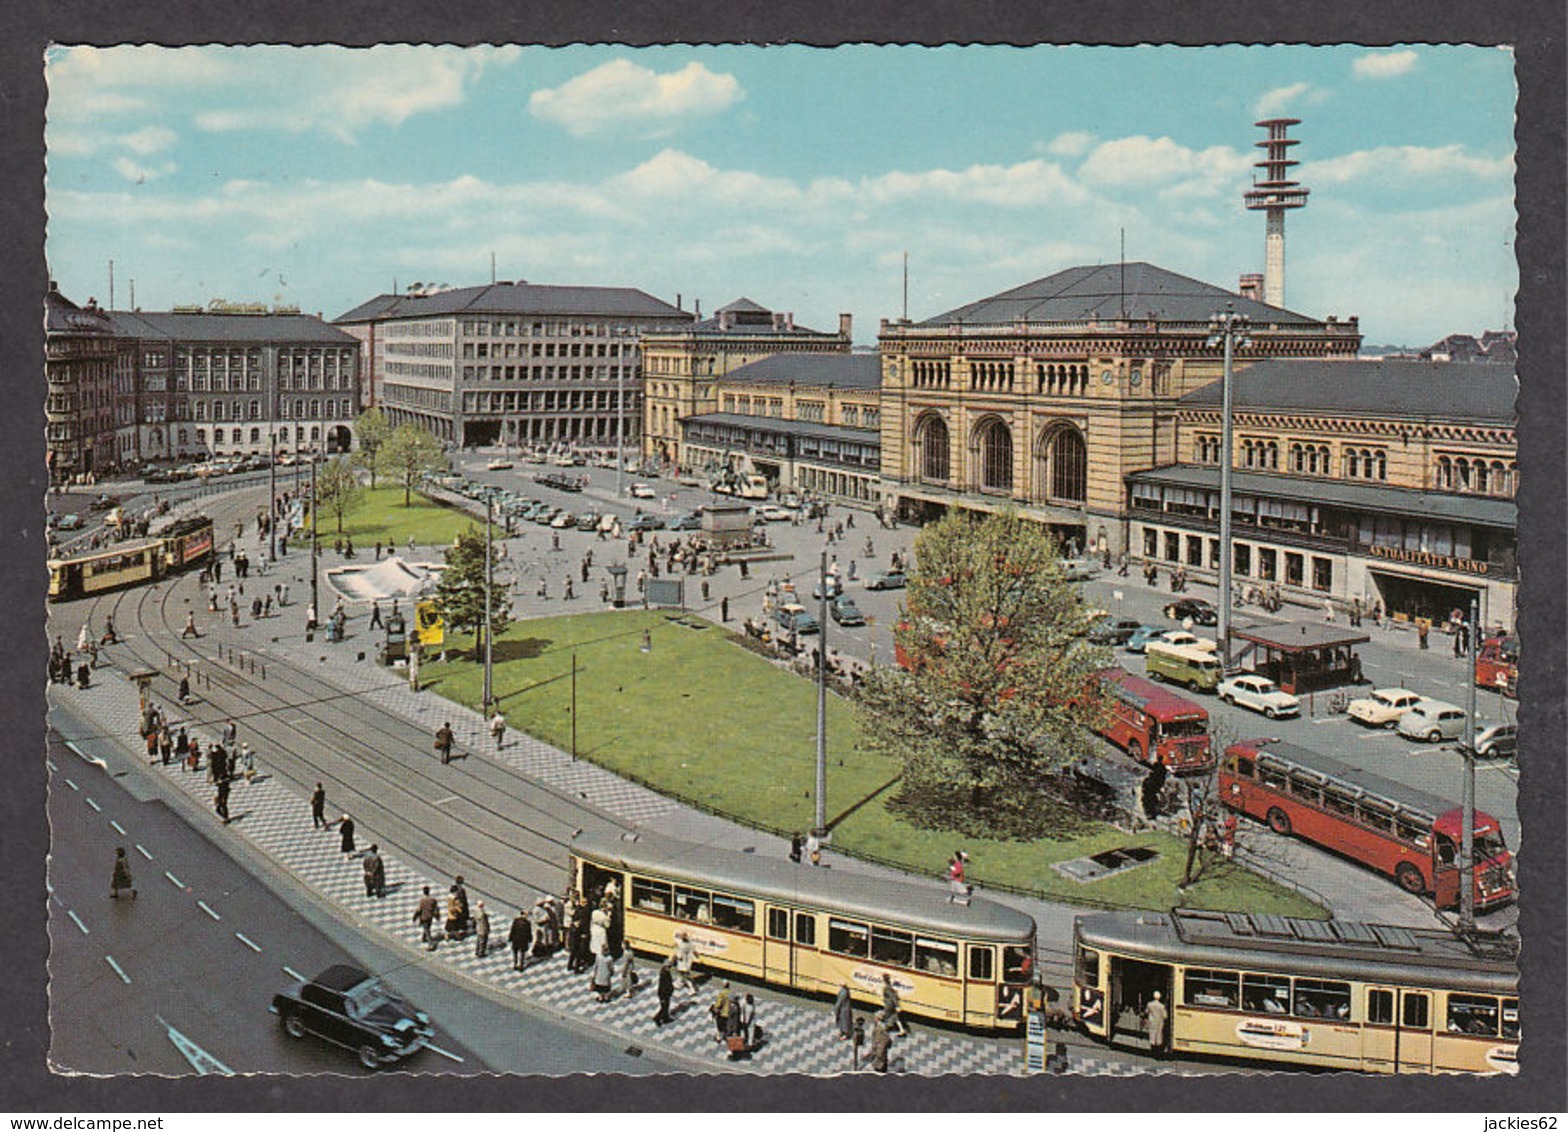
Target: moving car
{"points": [[499, 466], [1142, 635], [690, 521], [1432, 720], [1383, 707], [563, 520], [773, 513], [844, 611], [643, 491], [645, 523], [1078, 569], [588, 520], [1185, 639], [887, 580], [1201, 612], [72, 522], [1499, 741], [353, 1009], [796, 617], [835, 587], [1258, 693], [1114, 630]]}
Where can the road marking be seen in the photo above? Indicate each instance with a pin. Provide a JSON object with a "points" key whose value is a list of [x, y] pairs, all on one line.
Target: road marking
{"points": [[143, 852], [78, 921], [50, 764], [200, 1060], [91, 760], [72, 785], [174, 880], [120, 829], [96, 807], [293, 974], [202, 904], [124, 978], [444, 801], [442, 1052], [254, 947]]}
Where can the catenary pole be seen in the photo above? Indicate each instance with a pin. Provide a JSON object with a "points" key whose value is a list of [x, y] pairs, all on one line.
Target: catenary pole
{"points": [[1467, 813], [821, 825], [489, 562]]}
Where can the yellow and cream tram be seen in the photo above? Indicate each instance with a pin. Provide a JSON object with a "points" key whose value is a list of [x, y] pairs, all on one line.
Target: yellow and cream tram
{"points": [[1333, 994], [182, 543], [815, 929]]}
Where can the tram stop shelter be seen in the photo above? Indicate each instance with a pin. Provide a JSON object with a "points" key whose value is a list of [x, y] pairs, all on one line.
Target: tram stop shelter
{"points": [[1302, 656]]}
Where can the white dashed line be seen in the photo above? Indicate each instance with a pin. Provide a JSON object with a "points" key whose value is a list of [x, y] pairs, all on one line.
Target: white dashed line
{"points": [[443, 1053], [77, 920], [254, 947], [174, 880], [50, 764], [96, 807], [72, 785], [91, 760], [293, 974], [124, 978], [120, 829], [202, 904], [444, 801], [144, 852]]}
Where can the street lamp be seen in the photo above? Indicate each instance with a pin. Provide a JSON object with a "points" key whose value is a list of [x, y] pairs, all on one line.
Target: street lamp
{"points": [[1230, 329], [821, 826], [489, 562]]}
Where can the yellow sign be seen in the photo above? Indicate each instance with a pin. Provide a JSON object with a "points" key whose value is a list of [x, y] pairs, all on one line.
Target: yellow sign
{"points": [[429, 629]]}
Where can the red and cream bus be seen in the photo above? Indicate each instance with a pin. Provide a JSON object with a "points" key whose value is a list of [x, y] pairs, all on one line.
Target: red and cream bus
{"points": [[1154, 724], [1497, 665], [1398, 830]]}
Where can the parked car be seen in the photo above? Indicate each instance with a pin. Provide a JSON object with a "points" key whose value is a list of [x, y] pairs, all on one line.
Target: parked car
{"points": [[796, 617], [690, 521], [72, 522], [588, 520], [643, 491], [1078, 569], [844, 611], [1114, 630], [1382, 707], [1432, 721], [563, 520], [353, 1009], [887, 580], [835, 587], [1142, 635], [1498, 741], [546, 515], [1183, 637], [773, 513], [645, 523], [1201, 612], [1258, 693], [104, 503]]}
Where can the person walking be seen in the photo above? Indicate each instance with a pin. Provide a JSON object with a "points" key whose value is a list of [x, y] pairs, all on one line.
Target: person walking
{"points": [[247, 762], [375, 872], [444, 742], [221, 801], [1423, 626], [844, 1013], [628, 979], [425, 917], [796, 846], [318, 807], [960, 889], [1154, 1018], [121, 877], [498, 728], [346, 834], [190, 626], [813, 848], [520, 938], [890, 1004], [746, 1022], [603, 976], [720, 1012], [881, 1045], [685, 956], [724, 609], [665, 989], [481, 931], [375, 606]]}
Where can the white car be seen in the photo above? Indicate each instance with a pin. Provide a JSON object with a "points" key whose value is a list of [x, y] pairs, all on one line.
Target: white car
{"points": [[1383, 707], [643, 491], [499, 466], [775, 514], [1258, 693], [1432, 721], [1190, 640]]}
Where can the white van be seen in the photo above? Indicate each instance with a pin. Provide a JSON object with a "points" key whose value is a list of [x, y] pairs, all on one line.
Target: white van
{"points": [[1197, 668]]}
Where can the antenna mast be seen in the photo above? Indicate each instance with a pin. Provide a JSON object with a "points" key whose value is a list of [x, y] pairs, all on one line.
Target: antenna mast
{"points": [[906, 287]]}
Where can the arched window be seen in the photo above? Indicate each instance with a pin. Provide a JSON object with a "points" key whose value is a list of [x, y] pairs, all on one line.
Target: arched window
{"points": [[1382, 465], [994, 445], [1500, 484], [1480, 476], [1062, 464], [1352, 463], [935, 458], [1298, 458], [1248, 454], [1445, 473], [1461, 474]]}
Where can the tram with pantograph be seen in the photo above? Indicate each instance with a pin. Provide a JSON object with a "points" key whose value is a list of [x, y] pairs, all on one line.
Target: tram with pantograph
{"points": [[816, 929], [178, 546]]}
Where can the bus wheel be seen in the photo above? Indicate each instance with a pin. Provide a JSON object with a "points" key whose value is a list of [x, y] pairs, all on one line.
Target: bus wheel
{"points": [[1192, 685], [1409, 878], [1279, 821]]}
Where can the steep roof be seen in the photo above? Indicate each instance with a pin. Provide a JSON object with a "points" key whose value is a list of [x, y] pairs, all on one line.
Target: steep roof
{"points": [[518, 298], [749, 306], [1451, 391], [836, 371], [62, 316], [1105, 291], [205, 327]]}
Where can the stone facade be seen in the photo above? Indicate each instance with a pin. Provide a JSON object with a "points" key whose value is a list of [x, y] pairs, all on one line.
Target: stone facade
{"points": [[83, 360]]}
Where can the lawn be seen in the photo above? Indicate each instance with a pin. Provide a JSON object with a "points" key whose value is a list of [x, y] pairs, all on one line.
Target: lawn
{"points": [[381, 516], [702, 719]]}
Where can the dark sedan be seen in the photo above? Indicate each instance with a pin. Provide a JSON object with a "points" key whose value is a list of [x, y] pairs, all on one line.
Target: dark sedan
{"points": [[1196, 608], [645, 523], [1114, 630], [353, 1009], [845, 612]]}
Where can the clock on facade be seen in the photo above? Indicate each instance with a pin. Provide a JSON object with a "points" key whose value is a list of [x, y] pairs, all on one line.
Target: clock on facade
{"points": [[1135, 378], [1106, 377]]}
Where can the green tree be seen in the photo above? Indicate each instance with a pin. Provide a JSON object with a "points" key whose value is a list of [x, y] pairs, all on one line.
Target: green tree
{"points": [[371, 432], [409, 453], [993, 693], [460, 594], [338, 490]]}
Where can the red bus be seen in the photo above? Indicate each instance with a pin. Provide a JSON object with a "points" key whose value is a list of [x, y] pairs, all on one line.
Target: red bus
{"points": [[1398, 830], [1154, 724], [1497, 665]]}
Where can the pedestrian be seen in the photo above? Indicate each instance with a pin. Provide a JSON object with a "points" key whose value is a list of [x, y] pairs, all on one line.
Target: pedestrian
{"points": [[221, 802], [444, 742], [375, 606], [121, 877], [318, 807], [720, 1012], [248, 762], [796, 845], [881, 1045], [628, 976], [1154, 1017], [193, 760], [746, 1022], [266, 606], [724, 610], [890, 1016], [310, 620], [603, 976], [665, 989], [481, 931], [425, 916], [647, 641], [1153, 783], [375, 872], [498, 728], [231, 734], [1423, 626], [165, 744], [190, 626], [813, 848], [961, 890], [520, 938], [346, 834], [685, 957], [604, 592], [844, 1013]]}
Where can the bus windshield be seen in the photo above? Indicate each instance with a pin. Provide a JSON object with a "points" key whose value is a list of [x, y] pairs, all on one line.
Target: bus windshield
{"points": [[1488, 846], [1184, 729]]}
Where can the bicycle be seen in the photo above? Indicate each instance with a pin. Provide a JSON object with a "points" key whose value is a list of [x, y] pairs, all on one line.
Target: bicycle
{"points": [[1339, 702]]}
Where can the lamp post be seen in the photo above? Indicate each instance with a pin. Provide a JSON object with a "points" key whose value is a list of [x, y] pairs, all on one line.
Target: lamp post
{"points": [[489, 563], [315, 527], [821, 825], [1467, 811], [272, 495], [1229, 329]]}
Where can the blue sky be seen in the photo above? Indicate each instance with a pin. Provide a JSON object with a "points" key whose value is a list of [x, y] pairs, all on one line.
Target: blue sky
{"points": [[796, 176]]}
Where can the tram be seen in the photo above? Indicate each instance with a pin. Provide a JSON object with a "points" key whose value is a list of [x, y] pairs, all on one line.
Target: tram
{"points": [[182, 544], [814, 929], [1330, 994]]}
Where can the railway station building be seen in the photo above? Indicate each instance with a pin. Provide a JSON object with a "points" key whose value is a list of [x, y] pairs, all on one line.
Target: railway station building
{"points": [[510, 363]]}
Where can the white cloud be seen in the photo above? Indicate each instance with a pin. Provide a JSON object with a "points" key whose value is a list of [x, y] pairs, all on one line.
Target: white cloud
{"points": [[1426, 164], [149, 140], [1281, 99], [621, 93], [1074, 143], [1141, 163], [1384, 64], [133, 170]]}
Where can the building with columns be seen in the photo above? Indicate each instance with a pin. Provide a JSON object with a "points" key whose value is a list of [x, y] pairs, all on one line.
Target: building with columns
{"points": [[1046, 397], [682, 366]]}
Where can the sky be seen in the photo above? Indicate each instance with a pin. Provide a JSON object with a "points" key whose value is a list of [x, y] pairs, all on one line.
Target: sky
{"points": [[798, 177]]}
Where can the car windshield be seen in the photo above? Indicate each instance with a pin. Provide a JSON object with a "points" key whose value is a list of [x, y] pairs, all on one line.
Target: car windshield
{"points": [[365, 999]]}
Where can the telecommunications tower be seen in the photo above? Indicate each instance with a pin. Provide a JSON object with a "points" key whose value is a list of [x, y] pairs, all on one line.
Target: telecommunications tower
{"points": [[1274, 195]]}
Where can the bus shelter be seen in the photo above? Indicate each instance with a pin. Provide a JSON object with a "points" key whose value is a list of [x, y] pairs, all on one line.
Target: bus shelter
{"points": [[1302, 656]]}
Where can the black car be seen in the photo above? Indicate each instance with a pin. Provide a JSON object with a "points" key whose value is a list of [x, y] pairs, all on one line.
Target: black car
{"points": [[1201, 612], [353, 1009], [645, 522], [846, 612], [1114, 631]]}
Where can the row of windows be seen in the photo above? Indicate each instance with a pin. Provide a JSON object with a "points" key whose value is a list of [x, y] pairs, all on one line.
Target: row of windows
{"points": [[297, 408], [928, 375], [518, 329], [1170, 548], [548, 350], [238, 436], [547, 373], [1336, 798], [991, 377], [541, 401], [1475, 474], [1061, 457]]}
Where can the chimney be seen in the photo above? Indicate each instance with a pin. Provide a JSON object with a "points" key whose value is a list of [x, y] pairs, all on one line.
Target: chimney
{"points": [[778, 320], [789, 320], [696, 306], [678, 301], [843, 325], [1251, 286], [724, 319]]}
